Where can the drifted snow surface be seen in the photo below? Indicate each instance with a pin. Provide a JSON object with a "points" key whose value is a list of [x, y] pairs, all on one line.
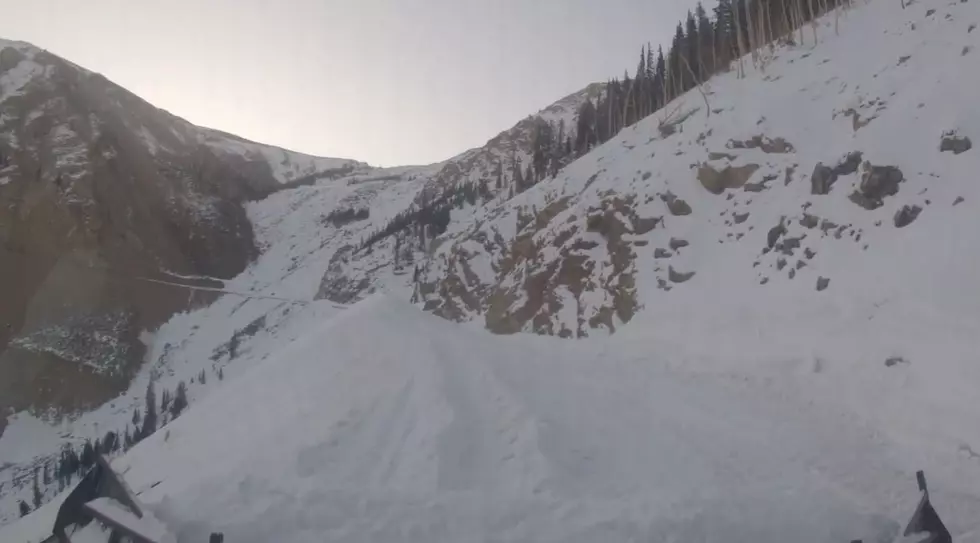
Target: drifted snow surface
{"points": [[388, 424]]}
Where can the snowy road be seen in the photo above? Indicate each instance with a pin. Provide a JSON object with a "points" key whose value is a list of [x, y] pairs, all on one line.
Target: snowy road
{"points": [[392, 425]]}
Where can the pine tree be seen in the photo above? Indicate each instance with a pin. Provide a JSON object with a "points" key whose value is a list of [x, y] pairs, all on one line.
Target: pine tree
{"points": [[202, 378], [88, 455], [110, 443], [24, 508], [706, 38], [692, 52], [46, 474], [180, 400], [136, 417], [221, 371], [150, 419], [38, 497]]}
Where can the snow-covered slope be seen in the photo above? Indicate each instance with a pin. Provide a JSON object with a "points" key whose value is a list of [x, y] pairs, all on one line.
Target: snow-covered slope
{"points": [[348, 435], [674, 215], [756, 271]]}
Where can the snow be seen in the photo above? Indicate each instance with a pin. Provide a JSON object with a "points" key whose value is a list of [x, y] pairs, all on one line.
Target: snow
{"points": [[285, 165], [471, 437], [24, 436], [15, 79], [725, 410], [146, 525]]}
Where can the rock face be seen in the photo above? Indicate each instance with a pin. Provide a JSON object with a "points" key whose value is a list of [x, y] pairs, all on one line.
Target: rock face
{"points": [[100, 189]]}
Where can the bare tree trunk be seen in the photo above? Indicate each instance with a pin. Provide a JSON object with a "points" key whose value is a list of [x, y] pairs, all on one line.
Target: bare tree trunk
{"points": [[800, 19], [772, 36], [739, 44], [753, 38], [813, 21], [697, 84]]}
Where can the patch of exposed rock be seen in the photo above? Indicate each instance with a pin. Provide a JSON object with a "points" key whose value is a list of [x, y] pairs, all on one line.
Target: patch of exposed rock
{"points": [[823, 177], [677, 206], [729, 177], [677, 243], [905, 215], [678, 277], [877, 182], [955, 144], [765, 144]]}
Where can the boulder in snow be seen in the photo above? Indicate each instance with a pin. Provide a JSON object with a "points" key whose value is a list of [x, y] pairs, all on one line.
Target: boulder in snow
{"points": [[822, 283], [822, 179], [678, 277], [906, 215], [955, 144]]}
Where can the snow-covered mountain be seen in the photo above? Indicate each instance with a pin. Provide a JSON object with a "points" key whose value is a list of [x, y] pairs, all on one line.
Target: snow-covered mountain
{"points": [[786, 262], [99, 190]]}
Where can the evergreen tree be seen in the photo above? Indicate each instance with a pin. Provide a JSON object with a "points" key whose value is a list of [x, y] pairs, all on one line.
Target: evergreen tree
{"points": [[150, 418], [136, 417], [180, 400], [110, 443], [221, 371], [706, 38], [585, 131], [24, 508], [38, 497], [692, 52], [46, 474], [88, 455]]}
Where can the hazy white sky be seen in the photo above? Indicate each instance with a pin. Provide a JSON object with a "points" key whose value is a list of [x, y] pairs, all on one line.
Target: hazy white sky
{"points": [[384, 81]]}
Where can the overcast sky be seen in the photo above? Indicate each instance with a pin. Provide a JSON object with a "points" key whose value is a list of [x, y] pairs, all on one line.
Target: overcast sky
{"points": [[384, 81]]}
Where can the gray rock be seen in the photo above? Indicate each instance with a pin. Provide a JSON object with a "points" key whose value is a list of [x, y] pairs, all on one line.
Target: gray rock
{"points": [[809, 221], [895, 360], [774, 234], [850, 164], [678, 277], [661, 253], [822, 283], [905, 216], [800, 264], [740, 217], [809, 254], [788, 244], [676, 243], [955, 144], [780, 263], [877, 182], [958, 200], [822, 179]]}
